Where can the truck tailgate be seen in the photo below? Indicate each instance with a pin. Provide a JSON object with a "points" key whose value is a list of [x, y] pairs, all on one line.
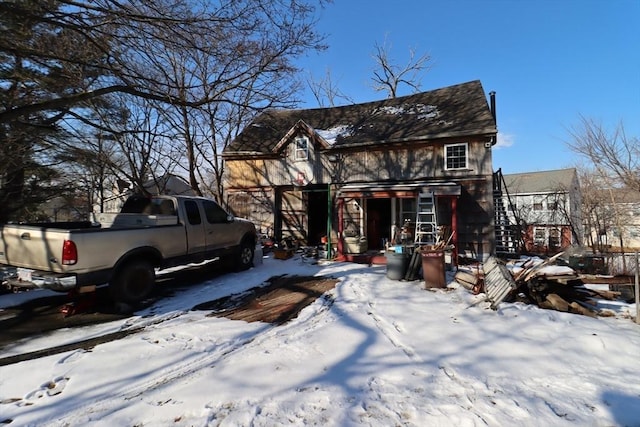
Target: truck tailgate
{"points": [[32, 247]]}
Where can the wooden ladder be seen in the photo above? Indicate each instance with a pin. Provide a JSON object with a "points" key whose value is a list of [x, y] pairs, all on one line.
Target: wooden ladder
{"points": [[426, 224]]}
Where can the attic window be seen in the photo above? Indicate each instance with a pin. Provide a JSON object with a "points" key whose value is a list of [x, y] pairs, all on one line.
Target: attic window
{"points": [[301, 148], [455, 156]]}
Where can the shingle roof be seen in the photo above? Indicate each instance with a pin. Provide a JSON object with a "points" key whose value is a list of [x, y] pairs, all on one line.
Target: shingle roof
{"points": [[458, 110], [539, 182]]}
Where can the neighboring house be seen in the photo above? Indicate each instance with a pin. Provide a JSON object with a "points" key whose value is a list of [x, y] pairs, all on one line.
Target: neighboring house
{"points": [[358, 172], [613, 220], [167, 184], [66, 209], [547, 206]]}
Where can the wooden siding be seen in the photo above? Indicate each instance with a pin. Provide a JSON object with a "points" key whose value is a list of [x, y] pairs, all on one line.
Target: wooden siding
{"points": [[257, 206], [476, 231], [293, 215], [416, 161], [400, 163]]}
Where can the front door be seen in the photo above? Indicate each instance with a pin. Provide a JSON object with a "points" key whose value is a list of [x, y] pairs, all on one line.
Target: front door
{"points": [[193, 223], [378, 222], [318, 215]]}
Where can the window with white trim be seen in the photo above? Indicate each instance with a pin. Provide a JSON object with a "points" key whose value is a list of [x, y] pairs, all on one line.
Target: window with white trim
{"points": [[555, 238], [455, 156], [538, 203], [301, 148]]}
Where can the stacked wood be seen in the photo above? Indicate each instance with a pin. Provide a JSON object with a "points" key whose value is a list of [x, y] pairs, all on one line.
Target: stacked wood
{"points": [[470, 278], [561, 290]]}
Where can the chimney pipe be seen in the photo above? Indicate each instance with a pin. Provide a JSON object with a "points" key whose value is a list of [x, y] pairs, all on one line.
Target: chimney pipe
{"points": [[492, 96]]}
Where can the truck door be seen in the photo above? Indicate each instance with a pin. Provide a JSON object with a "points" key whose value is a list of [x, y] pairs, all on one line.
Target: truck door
{"points": [[196, 239], [220, 232]]}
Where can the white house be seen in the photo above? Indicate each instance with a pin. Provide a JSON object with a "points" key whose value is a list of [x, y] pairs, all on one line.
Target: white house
{"points": [[547, 205]]}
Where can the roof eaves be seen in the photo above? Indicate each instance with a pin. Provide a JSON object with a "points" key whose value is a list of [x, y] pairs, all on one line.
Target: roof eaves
{"points": [[242, 154], [426, 137]]}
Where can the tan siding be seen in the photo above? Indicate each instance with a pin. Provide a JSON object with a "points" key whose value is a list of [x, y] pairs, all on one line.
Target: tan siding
{"points": [[256, 206], [426, 161], [294, 215]]}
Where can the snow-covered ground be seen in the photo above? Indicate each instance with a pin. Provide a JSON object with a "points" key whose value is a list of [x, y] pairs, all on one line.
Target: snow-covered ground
{"points": [[373, 352]]}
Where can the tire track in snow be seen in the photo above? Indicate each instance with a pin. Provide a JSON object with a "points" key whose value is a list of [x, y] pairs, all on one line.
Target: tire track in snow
{"points": [[86, 411], [468, 392], [129, 328]]}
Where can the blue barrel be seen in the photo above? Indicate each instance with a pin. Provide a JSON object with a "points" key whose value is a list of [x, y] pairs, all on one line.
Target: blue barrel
{"points": [[397, 265]]}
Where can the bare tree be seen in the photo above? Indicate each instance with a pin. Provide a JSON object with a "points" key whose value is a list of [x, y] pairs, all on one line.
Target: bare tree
{"points": [[596, 221], [325, 91], [61, 56], [388, 76], [615, 156]]}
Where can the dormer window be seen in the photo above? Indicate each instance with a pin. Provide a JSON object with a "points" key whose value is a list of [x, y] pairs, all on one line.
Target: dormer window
{"points": [[301, 148], [455, 156]]}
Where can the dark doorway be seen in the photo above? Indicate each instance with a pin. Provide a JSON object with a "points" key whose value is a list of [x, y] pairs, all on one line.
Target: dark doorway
{"points": [[378, 222], [317, 209]]}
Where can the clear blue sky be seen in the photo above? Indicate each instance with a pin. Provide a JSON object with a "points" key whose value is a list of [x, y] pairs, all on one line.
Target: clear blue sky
{"points": [[549, 62]]}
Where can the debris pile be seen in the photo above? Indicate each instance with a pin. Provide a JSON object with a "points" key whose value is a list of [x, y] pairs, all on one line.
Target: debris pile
{"points": [[533, 281]]}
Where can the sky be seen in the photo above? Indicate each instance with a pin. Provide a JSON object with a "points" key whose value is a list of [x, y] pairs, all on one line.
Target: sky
{"points": [[372, 352], [550, 63]]}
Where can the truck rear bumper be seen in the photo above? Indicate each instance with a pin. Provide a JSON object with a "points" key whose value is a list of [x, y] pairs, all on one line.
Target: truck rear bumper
{"points": [[34, 279]]}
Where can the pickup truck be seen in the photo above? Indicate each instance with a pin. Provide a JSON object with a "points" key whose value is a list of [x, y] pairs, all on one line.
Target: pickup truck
{"points": [[124, 249]]}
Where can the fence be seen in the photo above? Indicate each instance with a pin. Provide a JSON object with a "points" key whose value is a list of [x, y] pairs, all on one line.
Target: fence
{"points": [[621, 264]]}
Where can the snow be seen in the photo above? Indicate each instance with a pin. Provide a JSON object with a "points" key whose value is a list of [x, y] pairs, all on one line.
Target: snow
{"points": [[421, 110], [331, 135], [373, 351]]}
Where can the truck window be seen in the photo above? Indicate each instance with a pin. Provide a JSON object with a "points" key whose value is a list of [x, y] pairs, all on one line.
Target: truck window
{"points": [[215, 214], [135, 204], [193, 214]]}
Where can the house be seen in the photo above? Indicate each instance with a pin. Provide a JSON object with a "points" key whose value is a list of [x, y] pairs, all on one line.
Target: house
{"points": [[612, 219], [359, 175], [168, 184], [547, 207]]}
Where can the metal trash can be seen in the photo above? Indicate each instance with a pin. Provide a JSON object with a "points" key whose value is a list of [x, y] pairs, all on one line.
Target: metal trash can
{"points": [[397, 264], [433, 271]]}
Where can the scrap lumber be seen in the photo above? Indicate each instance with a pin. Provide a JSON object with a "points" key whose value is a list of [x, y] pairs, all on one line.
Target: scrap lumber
{"points": [[549, 290], [557, 302], [472, 279], [580, 309], [498, 281], [414, 266]]}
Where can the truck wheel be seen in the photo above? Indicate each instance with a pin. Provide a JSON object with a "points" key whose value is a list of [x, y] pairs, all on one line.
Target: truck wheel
{"points": [[245, 256], [133, 282]]}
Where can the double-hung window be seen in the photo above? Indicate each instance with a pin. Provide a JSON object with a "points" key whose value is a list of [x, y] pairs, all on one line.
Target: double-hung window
{"points": [[301, 148], [456, 156]]}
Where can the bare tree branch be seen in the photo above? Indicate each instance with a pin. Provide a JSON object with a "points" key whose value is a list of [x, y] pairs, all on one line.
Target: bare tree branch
{"points": [[614, 155], [388, 76]]}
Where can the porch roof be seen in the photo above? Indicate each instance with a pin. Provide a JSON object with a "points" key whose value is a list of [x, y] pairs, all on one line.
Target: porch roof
{"points": [[372, 190]]}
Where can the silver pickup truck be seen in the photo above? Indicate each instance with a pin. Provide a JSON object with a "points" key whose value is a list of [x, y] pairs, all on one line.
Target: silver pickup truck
{"points": [[124, 249]]}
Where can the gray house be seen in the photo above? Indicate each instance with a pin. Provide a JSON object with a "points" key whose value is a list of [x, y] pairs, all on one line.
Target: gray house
{"points": [[361, 175]]}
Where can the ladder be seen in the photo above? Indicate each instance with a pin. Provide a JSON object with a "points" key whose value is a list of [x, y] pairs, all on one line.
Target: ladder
{"points": [[426, 224]]}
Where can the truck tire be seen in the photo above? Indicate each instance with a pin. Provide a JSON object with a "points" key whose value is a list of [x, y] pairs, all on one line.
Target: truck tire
{"points": [[244, 259], [133, 282]]}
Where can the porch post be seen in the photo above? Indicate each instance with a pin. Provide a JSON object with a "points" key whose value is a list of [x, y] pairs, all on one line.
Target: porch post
{"points": [[454, 230], [329, 213], [340, 256]]}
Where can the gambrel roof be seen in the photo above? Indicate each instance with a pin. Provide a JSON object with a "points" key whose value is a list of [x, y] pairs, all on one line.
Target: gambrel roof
{"points": [[454, 111]]}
